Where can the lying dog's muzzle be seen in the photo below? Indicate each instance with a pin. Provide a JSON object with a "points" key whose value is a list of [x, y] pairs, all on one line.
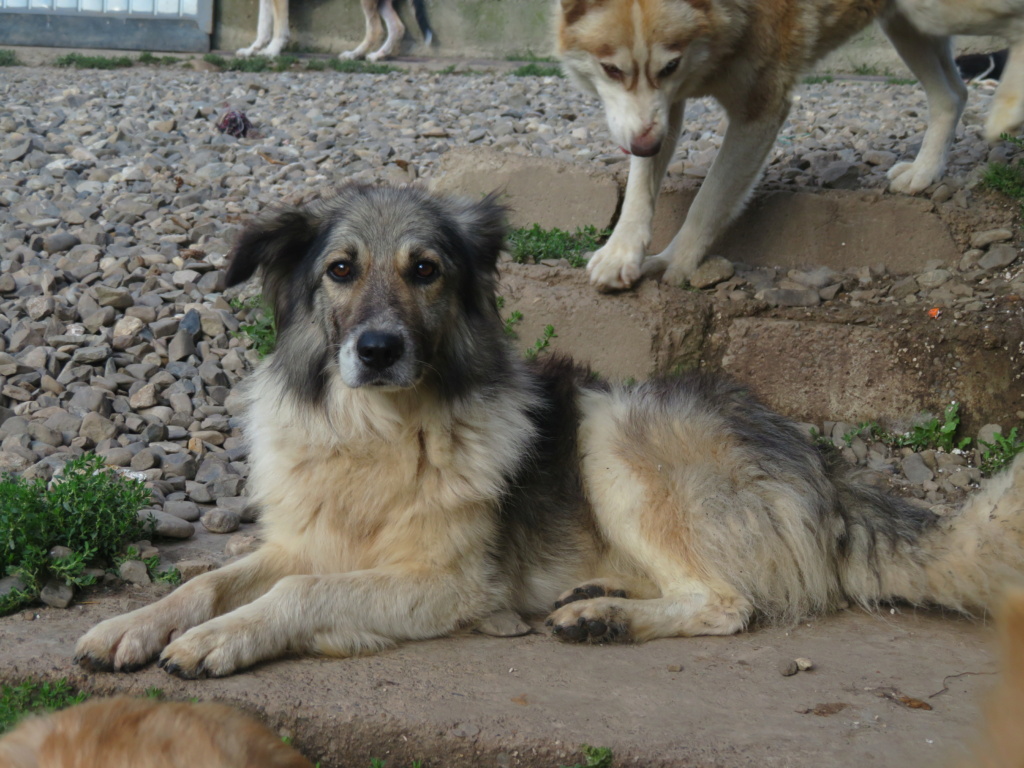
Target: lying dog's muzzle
{"points": [[379, 350]]}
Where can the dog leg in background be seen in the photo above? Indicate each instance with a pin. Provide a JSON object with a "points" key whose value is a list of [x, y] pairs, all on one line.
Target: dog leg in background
{"points": [[1007, 113], [723, 194], [396, 31], [374, 31], [271, 28], [617, 264], [931, 60], [340, 614], [126, 643]]}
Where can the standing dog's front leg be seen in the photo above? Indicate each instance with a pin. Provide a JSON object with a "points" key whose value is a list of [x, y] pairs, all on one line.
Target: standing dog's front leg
{"points": [[722, 195], [396, 31], [930, 58], [126, 643], [374, 31], [1007, 112], [339, 614], [616, 265]]}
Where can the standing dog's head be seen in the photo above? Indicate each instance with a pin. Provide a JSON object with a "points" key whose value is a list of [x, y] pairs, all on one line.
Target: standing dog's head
{"points": [[639, 57], [380, 287]]}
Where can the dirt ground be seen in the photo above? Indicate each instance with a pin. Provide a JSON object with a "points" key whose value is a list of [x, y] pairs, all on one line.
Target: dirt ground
{"points": [[472, 700]]}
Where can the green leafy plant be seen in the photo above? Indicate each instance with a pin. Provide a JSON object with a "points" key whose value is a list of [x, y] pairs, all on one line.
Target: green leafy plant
{"points": [[154, 693], [79, 61], [316, 65], [8, 58], [90, 509], [534, 69], [1001, 451], [934, 433], [260, 329], [530, 56], [816, 79], [510, 321], [1007, 178], [594, 757], [542, 343], [361, 67], [536, 243], [901, 81], [30, 697], [216, 59], [148, 58]]}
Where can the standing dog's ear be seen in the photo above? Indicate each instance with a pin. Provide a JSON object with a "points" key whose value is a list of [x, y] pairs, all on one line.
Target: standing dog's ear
{"points": [[277, 243]]}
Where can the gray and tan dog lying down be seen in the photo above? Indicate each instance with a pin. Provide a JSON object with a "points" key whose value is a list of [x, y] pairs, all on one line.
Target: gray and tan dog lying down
{"points": [[417, 476]]}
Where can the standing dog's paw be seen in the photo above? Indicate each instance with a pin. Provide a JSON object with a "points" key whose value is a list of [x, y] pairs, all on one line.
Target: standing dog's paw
{"points": [[616, 266], [910, 178], [598, 620], [121, 644]]}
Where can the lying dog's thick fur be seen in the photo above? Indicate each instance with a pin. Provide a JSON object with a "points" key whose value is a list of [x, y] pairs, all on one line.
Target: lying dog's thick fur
{"points": [[645, 58], [415, 475], [142, 733], [272, 30]]}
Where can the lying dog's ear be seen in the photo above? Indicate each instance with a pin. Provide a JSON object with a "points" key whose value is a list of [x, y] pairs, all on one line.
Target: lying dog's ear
{"points": [[483, 229], [277, 243]]}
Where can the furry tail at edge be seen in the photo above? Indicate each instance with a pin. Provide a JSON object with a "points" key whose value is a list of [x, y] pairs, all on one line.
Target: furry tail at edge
{"points": [[966, 560]]}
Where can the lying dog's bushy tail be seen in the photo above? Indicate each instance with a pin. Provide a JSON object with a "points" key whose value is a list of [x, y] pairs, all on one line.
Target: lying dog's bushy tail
{"points": [[964, 560]]}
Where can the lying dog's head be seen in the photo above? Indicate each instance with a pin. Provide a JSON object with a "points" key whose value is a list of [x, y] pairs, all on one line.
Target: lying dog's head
{"points": [[381, 287], [638, 56]]}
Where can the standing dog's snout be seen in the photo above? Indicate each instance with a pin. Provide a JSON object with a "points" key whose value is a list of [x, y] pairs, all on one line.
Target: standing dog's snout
{"points": [[379, 349]]}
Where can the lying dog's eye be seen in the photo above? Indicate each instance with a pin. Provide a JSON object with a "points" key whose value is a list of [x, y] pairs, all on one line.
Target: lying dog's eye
{"points": [[340, 270], [612, 71], [669, 68], [424, 269]]}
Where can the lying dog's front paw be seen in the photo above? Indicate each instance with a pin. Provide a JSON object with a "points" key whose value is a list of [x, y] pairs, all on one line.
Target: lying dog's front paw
{"points": [[220, 647], [616, 266], [599, 620], [122, 644]]}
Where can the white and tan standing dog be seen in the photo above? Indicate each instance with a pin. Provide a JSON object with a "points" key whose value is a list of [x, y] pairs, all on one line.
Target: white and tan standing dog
{"points": [[645, 58], [272, 30]]}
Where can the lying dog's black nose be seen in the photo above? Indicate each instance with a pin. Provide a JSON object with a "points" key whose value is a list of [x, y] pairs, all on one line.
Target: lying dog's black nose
{"points": [[379, 349]]}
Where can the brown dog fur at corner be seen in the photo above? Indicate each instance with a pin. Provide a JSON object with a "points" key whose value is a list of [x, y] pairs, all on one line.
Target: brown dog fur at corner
{"points": [[121, 732], [1001, 741]]}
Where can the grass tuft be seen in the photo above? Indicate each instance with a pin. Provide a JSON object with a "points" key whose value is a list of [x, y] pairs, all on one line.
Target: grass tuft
{"points": [[594, 757], [9, 58], [80, 61], [1001, 451], [361, 67], [30, 697], [533, 69], [90, 509], [260, 328], [537, 244]]}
